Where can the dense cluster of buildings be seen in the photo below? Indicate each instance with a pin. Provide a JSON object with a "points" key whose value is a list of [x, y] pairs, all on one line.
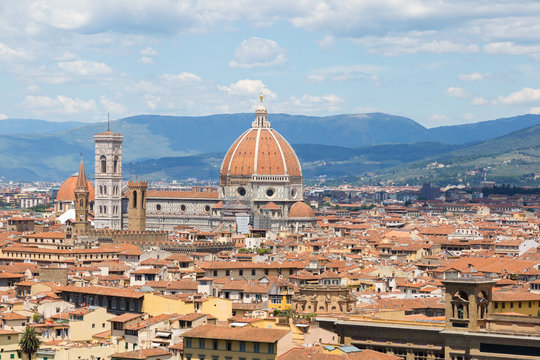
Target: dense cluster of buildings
{"points": [[260, 267]]}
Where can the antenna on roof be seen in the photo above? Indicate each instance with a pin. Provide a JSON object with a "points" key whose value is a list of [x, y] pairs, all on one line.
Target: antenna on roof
{"points": [[108, 122]]}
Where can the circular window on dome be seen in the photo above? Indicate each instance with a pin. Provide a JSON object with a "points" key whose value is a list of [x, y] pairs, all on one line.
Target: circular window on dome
{"points": [[241, 191], [270, 192], [182, 207], [158, 207], [293, 193], [207, 208]]}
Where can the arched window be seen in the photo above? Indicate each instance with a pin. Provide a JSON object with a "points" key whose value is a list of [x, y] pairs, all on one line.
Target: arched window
{"points": [[103, 161], [81, 203], [104, 209], [134, 199], [115, 164], [105, 189]]}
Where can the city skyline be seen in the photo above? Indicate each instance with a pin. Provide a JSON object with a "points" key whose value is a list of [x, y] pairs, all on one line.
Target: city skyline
{"points": [[439, 64]]}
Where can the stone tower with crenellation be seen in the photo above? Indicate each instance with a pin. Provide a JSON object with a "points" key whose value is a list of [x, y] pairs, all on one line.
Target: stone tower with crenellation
{"points": [[108, 180], [137, 205]]}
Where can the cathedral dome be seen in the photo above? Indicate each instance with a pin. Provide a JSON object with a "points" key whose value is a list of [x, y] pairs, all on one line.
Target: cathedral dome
{"points": [[301, 210], [260, 152], [67, 190]]}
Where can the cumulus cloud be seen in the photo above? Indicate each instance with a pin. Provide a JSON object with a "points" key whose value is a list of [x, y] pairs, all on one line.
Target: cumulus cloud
{"points": [[183, 77], [523, 96], [248, 87], [3, 117], [511, 48], [59, 104], [114, 108], [458, 92], [534, 110], [85, 68], [479, 101], [475, 76], [148, 55], [257, 52]]}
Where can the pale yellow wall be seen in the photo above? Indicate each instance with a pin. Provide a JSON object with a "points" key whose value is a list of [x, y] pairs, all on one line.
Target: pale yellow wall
{"points": [[513, 306], [156, 305], [220, 308], [82, 330]]}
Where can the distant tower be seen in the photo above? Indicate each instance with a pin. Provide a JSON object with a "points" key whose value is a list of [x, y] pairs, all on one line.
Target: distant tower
{"points": [[108, 184], [137, 205], [81, 224]]}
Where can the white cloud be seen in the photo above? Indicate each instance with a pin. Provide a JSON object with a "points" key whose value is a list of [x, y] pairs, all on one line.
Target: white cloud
{"points": [[523, 96], [479, 101], [148, 52], [3, 116], [326, 42], [9, 53], [412, 43], [346, 72], [248, 87], [310, 104], [475, 76], [60, 104], [148, 55], [114, 108], [257, 52], [534, 110], [85, 68], [146, 60], [511, 48], [438, 120], [458, 93], [182, 77], [469, 117]]}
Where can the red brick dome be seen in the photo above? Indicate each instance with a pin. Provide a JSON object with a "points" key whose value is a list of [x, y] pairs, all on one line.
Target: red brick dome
{"points": [[67, 190], [260, 152], [301, 210]]}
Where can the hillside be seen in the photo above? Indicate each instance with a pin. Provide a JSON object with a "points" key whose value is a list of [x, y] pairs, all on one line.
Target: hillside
{"points": [[513, 158], [55, 156]]}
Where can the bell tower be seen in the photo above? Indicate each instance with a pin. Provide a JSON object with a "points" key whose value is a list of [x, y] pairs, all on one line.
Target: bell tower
{"points": [[81, 224], [137, 205], [467, 303], [108, 180]]}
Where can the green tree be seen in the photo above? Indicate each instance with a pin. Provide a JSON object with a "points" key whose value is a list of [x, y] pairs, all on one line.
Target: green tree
{"points": [[29, 342]]}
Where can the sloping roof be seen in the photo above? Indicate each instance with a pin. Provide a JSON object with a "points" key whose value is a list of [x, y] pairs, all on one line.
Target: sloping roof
{"points": [[243, 334]]}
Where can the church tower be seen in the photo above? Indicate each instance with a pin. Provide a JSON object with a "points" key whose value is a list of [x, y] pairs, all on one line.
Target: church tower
{"points": [[108, 180], [137, 205], [81, 224]]}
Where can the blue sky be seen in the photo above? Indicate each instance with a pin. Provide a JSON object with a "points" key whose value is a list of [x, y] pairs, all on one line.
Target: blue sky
{"points": [[437, 62]]}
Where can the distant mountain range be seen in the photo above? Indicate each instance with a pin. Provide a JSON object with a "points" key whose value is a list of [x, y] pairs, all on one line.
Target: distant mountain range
{"points": [[186, 147]]}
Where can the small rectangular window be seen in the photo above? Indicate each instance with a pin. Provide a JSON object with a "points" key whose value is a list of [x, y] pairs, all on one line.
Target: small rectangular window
{"points": [[188, 343], [242, 347], [215, 345], [241, 272], [201, 343], [270, 348], [256, 347], [229, 346]]}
